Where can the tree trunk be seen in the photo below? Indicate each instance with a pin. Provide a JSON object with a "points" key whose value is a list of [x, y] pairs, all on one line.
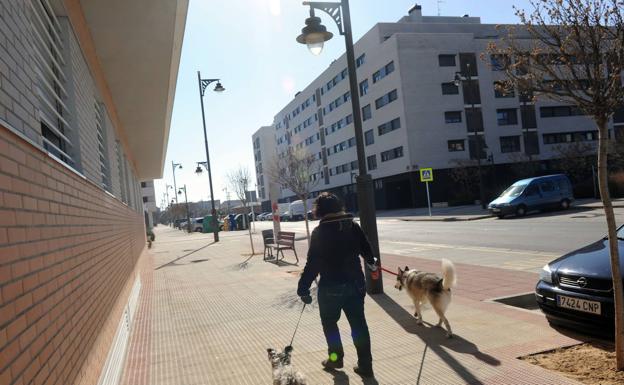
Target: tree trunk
{"points": [[249, 229], [618, 295], [305, 218]]}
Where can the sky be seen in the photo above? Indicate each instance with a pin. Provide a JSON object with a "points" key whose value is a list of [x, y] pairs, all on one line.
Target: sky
{"points": [[250, 45]]}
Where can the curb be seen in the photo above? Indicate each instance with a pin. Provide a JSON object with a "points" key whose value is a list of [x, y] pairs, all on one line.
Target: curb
{"points": [[446, 219]]}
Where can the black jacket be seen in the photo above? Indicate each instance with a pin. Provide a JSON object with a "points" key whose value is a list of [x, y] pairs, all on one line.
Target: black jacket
{"points": [[335, 247]]}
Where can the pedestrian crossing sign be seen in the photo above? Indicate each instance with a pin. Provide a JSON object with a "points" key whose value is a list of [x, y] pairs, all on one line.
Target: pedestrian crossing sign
{"points": [[426, 175]]}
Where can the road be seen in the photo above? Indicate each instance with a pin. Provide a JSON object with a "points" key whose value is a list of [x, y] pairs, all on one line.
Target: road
{"points": [[515, 243]]}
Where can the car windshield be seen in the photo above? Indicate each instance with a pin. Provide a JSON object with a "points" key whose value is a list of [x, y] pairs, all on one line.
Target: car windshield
{"points": [[620, 233], [514, 191]]}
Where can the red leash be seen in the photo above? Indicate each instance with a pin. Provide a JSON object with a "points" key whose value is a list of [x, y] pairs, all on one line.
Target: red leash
{"points": [[388, 271]]}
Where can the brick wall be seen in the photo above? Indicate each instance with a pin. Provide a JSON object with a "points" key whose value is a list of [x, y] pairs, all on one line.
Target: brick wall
{"points": [[68, 255]]}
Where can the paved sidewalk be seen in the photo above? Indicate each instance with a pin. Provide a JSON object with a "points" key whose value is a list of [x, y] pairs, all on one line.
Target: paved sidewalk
{"points": [[207, 317]]}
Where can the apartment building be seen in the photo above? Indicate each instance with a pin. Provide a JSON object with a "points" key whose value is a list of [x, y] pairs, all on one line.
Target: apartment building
{"points": [[265, 154], [149, 202], [86, 95], [414, 116]]}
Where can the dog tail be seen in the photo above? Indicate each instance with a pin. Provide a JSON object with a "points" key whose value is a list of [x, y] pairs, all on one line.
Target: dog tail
{"points": [[448, 274]]}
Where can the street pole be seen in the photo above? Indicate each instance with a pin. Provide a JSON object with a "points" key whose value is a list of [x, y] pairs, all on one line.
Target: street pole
{"points": [[175, 187], [340, 13], [203, 83], [428, 198], [476, 136], [188, 215]]}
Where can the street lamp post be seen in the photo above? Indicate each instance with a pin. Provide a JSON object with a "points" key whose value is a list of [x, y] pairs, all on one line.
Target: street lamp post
{"points": [[175, 166], [188, 215], [459, 80], [203, 83], [314, 35], [213, 211]]}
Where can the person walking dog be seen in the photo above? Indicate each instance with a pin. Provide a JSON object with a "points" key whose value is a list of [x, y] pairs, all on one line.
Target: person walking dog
{"points": [[335, 247]]}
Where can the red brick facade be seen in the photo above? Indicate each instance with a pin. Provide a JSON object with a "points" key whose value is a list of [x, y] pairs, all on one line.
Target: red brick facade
{"points": [[68, 258]]}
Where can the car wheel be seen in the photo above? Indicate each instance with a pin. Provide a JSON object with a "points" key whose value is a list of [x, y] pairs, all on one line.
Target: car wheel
{"points": [[565, 204], [500, 216], [521, 211]]}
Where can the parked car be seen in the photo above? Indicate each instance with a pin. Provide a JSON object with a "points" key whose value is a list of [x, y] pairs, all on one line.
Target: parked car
{"points": [[261, 216], [576, 290], [540, 193], [197, 225], [285, 217], [297, 212]]}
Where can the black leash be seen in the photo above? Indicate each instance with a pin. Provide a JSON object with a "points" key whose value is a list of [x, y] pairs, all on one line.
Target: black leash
{"points": [[297, 327]]}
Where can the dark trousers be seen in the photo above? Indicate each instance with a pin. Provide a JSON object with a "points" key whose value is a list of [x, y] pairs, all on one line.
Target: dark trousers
{"points": [[332, 301]]}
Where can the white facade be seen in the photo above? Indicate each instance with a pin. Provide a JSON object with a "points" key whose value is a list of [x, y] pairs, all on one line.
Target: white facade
{"points": [[265, 153], [415, 121]]}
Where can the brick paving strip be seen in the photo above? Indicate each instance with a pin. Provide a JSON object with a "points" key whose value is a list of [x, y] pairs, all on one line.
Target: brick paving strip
{"points": [[208, 318]]}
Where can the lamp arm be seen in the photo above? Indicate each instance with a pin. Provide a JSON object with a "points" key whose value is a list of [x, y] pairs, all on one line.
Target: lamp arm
{"points": [[205, 83], [332, 9]]}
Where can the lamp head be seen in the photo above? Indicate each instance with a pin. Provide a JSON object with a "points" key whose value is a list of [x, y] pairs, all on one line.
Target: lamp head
{"points": [[198, 170], [180, 192], [458, 79], [314, 34], [219, 88]]}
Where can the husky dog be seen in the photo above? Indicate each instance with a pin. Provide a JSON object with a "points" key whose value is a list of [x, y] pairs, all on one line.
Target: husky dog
{"points": [[283, 371], [423, 287]]}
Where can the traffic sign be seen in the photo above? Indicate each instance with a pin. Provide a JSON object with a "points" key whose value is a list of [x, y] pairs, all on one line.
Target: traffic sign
{"points": [[426, 175]]}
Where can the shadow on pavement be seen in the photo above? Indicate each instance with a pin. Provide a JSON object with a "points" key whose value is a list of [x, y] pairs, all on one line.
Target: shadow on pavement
{"points": [[173, 263], [341, 378], [435, 339]]}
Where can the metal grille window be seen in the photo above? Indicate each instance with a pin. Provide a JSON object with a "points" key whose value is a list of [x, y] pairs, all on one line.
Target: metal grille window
{"points": [[51, 80], [507, 116], [446, 60], [121, 172], [390, 126], [371, 161], [102, 148], [392, 154], [510, 144], [452, 117], [456, 145]]}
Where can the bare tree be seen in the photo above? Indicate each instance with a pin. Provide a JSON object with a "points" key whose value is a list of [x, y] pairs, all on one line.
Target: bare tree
{"points": [[239, 181], [572, 51], [466, 175], [297, 171]]}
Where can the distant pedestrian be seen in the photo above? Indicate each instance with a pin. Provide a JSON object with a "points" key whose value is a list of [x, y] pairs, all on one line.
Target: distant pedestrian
{"points": [[335, 247]]}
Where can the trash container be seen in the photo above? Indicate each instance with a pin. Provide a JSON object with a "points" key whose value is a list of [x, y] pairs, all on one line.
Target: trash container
{"points": [[241, 221], [208, 227], [232, 222]]}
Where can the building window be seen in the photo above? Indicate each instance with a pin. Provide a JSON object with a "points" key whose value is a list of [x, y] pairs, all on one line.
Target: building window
{"points": [[383, 72], [392, 154], [102, 147], [386, 99], [500, 92], [360, 60], [446, 60], [452, 117], [143, 184], [392, 125], [369, 137], [371, 162], [474, 120], [468, 60], [559, 111], [364, 87], [569, 137], [54, 114], [507, 116], [471, 90], [510, 144], [456, 145], [145, 200], [499, 62], [450, 89], [366, 112]]}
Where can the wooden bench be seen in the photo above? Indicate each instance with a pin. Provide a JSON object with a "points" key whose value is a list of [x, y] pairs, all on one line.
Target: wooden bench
{"points": [[285, 241], [269, 243]]}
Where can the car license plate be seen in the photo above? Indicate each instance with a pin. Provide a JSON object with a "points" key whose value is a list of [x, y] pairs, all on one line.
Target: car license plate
{"points": [[496, 210], [583, 305]]}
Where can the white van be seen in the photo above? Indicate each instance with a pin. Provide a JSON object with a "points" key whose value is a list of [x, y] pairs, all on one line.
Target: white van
{"points": [[297, 211]]}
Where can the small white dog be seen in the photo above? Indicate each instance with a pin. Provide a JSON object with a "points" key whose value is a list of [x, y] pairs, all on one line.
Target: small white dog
{"points": [[283, 371], [425, 287]]}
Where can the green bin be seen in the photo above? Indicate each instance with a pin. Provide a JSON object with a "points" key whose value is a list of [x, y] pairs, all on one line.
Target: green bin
{"points": [[208, 224]]}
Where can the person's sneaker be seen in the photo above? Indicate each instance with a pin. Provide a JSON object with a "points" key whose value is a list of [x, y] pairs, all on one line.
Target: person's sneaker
{"points": [[329, 364], [364, 371]]}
